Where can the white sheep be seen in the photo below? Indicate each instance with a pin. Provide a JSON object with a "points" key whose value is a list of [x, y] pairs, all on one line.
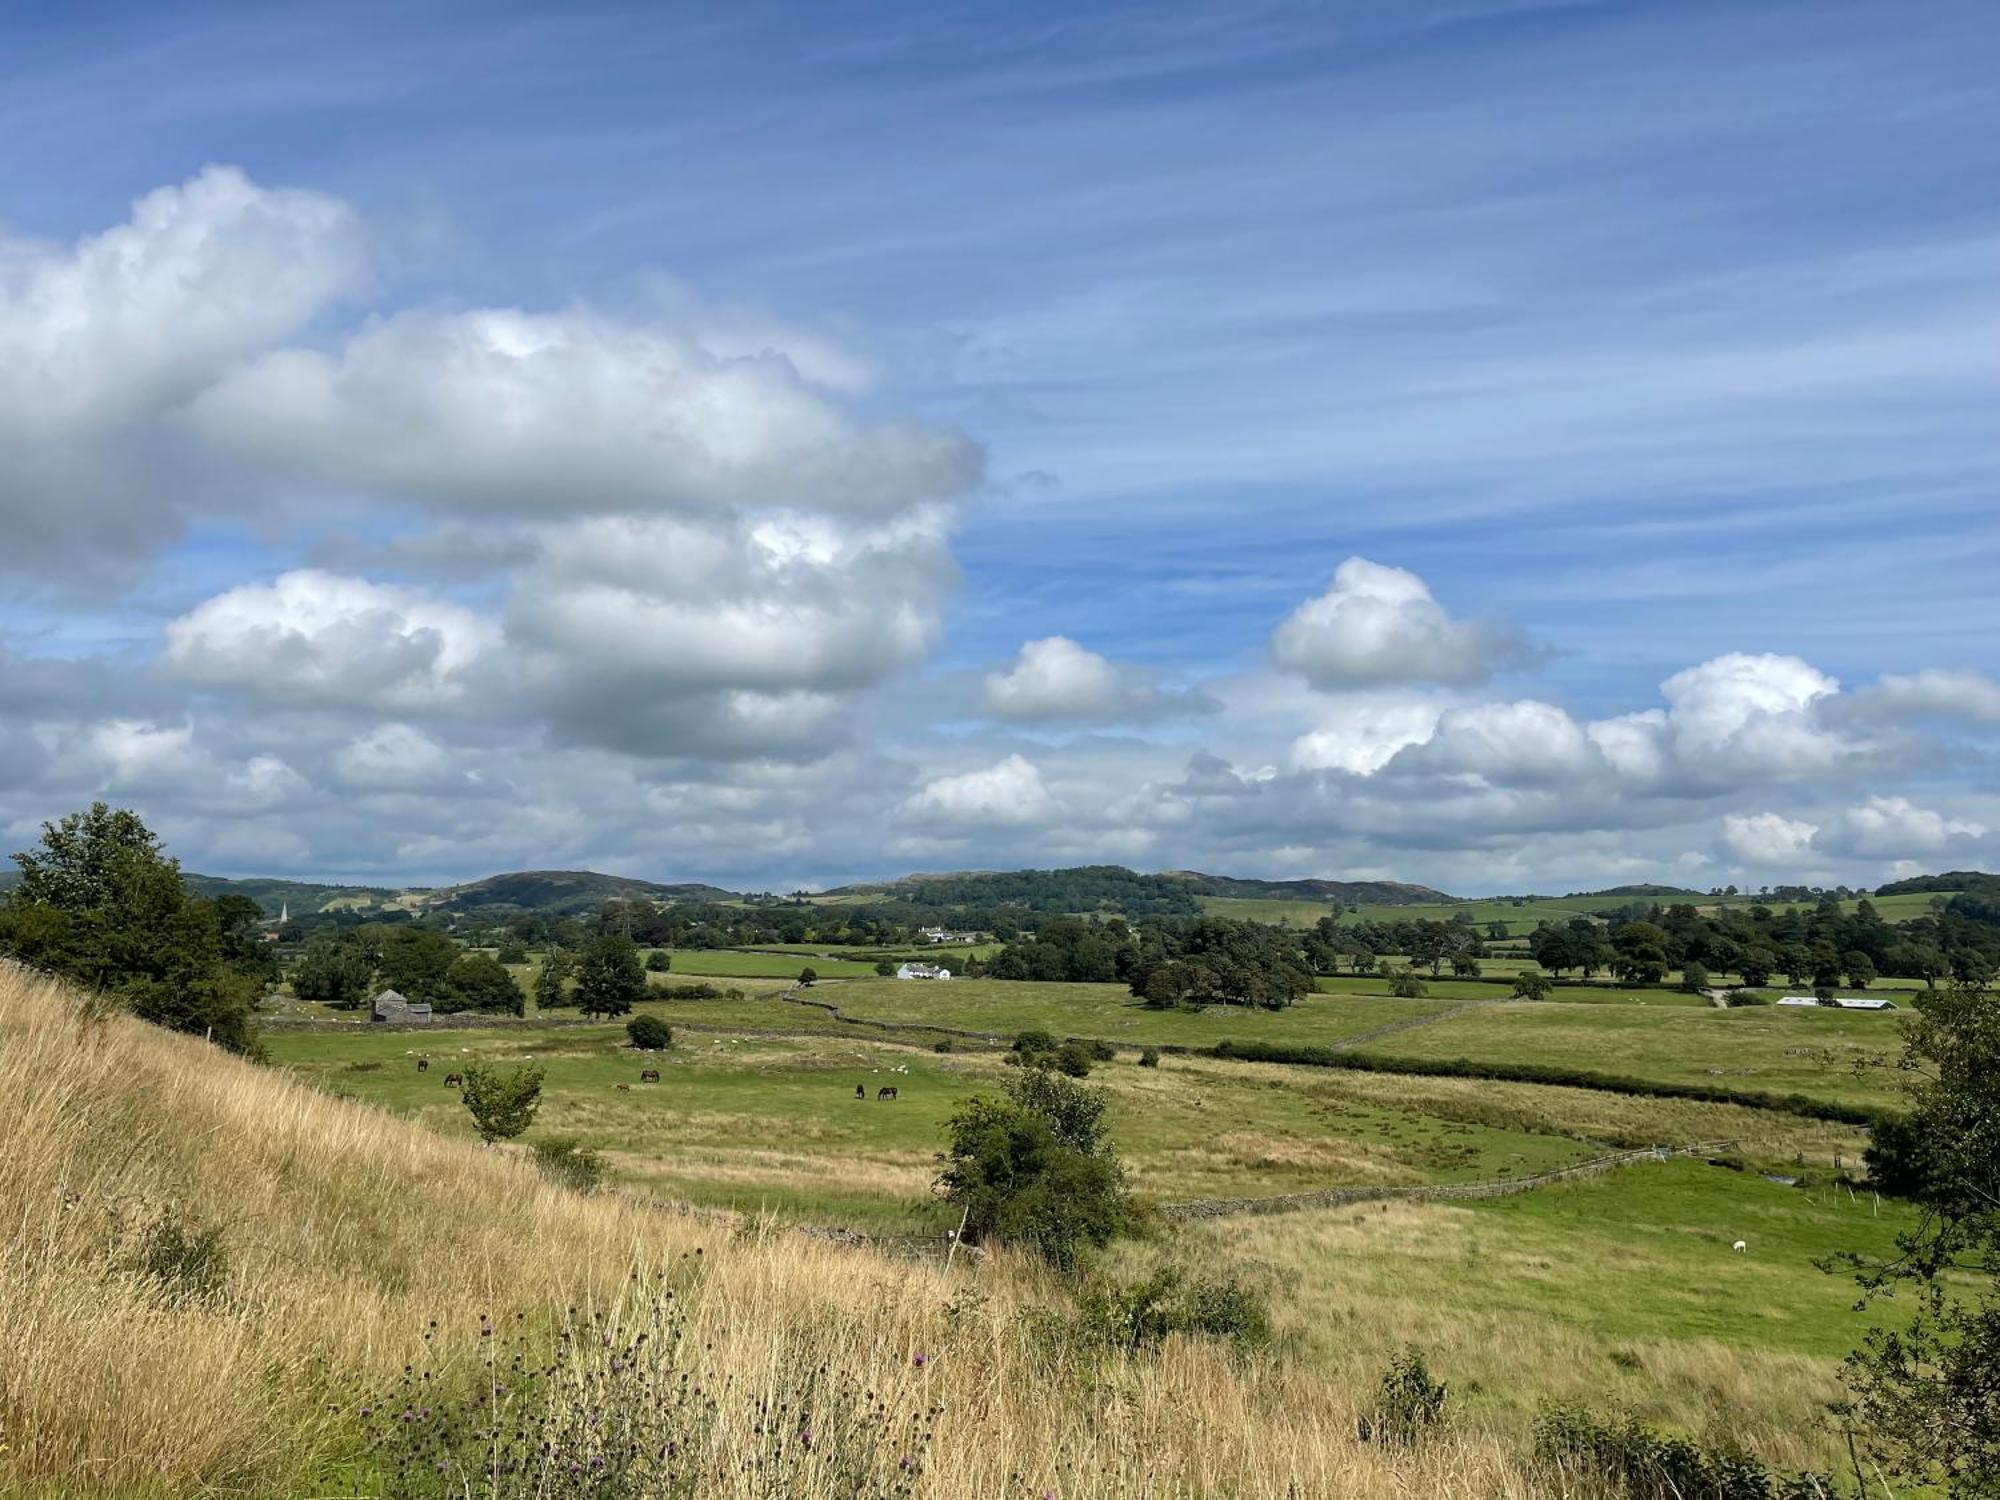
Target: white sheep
{"points": [[1740, 1247]]}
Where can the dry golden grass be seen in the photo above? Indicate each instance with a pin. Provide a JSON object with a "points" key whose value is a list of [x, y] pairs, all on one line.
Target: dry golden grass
{"points": [[348, 1230]]}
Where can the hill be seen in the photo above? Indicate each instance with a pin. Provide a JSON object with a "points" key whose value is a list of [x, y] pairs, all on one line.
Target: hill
{"points": [[1339, 892], [217, 1275], [1113, 889], [562, 892]]}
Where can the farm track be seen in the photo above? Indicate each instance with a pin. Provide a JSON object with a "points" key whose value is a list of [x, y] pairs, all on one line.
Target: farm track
{"points": [[1411, 1023]]}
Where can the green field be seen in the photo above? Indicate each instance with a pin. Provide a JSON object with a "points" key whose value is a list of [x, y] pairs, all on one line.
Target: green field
{"points": [[773, 1124], [1826, 1054], [735, 963]]}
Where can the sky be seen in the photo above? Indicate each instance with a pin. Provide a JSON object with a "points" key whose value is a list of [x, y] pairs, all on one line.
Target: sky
{"points": [[1503, 445]]}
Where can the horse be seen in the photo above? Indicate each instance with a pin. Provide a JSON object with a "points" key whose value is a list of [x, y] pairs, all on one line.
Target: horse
{"points": [[624, 1088], [887, 1091], [861, 1091], [423, 1065], [650, 1075], [454, 1080]]}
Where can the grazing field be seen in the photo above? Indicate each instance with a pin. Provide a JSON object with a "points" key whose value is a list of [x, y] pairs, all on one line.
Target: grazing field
{"points": [[1003, 1007], [1618, 1290], [1827, 1054], [774, 1125], [736, 963]]}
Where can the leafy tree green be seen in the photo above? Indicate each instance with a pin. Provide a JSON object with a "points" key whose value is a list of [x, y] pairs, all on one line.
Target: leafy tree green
{"points": [[1694, 977], [476, 981], [1532, 986], [552, 979], [609, 977], [415, 962], [1035, 1168], [659, 961], [1406, 984], [502, 1105], [513, 953], [649, 1033], [333, 970], [884, 968], [1923, 1385], [808, 975], [100, 903]]}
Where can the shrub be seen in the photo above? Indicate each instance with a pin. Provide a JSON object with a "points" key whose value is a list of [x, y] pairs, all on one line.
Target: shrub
{"points": [[1140, 1314], [1642, 1464], [1036, 1168], [699, 991], [808, 975], [1740, 997], [566, 1161], [1532, 986], [659, 961], [1150, 1058], [512, 953], [1405, 985], [884, 968], [1408, 1403], [502, 1105], [184, 1256], [942, 1044], [649, 1033]]}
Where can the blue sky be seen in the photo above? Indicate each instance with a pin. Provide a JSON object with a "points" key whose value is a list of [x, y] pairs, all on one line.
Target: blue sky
{"points": [[1644, 336]]}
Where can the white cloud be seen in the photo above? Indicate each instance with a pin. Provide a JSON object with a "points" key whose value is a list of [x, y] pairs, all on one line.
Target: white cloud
{"points": [[136, 753], [1768, 839], [1378, 625], [1055, 679], [1936, 693], [320, 638], [100, 340], [1524, 743], [1895, 828], [1009, 793], [392, 756], [498, 410], [1362, 732]]}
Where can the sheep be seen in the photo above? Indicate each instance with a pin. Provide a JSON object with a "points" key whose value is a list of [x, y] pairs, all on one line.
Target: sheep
{"points": [[1740, 1247]]}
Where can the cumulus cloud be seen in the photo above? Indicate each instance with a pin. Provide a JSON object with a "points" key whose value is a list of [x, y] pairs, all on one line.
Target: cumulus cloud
{"points": [[1895, 828], [1055, 679], [1935, 693], [498, 410], [1524, 743], [1364, 731], [1768, 839], [1378, 625], [320, 638], [102, 339], [1008, 793], [392, 756]]}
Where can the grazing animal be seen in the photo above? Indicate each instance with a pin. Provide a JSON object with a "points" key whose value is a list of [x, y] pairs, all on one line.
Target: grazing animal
{"points": [[454, 1080], [624, 1088], [650, 1075], [1740, 1247], [861, 1091], [423, 1065], [887, 1091]]}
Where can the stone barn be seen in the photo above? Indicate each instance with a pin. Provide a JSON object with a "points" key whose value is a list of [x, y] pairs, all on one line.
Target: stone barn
{"points": [[391, 1008]]}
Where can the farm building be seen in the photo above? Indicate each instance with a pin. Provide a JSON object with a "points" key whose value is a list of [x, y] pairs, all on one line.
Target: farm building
{"points": [[1844, 1002], [391, 1008], [946, 935], [923, 971]]}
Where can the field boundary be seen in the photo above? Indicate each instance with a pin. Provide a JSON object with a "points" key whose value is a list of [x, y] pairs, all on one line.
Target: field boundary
{"points": [[1497, 1187]]}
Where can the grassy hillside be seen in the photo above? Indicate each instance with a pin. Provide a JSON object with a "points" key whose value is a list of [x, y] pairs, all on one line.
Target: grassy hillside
{"points": [[353, 1242]]}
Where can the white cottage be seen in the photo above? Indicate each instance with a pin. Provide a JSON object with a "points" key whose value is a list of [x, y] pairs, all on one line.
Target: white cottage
{"points": [[923, 971]]}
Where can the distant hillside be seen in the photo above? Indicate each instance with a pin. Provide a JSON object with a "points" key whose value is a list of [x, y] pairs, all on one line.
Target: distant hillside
{"points": [[1115, 889], [562, 892], [301, 897], [1343, 892], [1643, 893], [1948, 883]]}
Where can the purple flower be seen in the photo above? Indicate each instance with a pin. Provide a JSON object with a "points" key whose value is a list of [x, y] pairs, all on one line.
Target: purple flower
{"points": [[920, 1361]]}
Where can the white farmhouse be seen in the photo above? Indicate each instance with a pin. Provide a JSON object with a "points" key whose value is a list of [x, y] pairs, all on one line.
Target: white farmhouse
{"points": [[923, 971], [1844, 1002]]}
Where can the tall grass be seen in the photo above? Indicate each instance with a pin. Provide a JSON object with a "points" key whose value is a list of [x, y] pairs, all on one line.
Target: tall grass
{"points": [[353, 1243]]}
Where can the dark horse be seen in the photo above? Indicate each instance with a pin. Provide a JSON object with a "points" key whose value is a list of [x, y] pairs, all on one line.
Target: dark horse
{"points": [[454, 1080], [887, 1091], [423, 1065], [650, 1075], [861, 1091]]}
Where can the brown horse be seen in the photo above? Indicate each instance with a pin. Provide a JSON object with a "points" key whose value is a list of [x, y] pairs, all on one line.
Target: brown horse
{"points": [[887, 1091], [650, 1075], [624, 1088], [423, 1065], [454, 1080]]}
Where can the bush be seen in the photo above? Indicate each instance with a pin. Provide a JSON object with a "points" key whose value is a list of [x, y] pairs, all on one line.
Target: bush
{"points": [[1150, 1058], [502, 1105], [701, 991], [512, 953], [649, 1033], [1738, 998], [1642, 1464], [884, 968], [184, 1256], [808, 975], [569, 1163], [1036, 1168], [1408, 1403], [1405, 985], [1171, 1300], [942, 1044], [659, 961]]}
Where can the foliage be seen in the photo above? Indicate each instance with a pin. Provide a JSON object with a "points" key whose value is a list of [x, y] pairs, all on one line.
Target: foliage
{"points": [[477, 981], [1405, 985], [552, 979], [1139, 1314], [1641, 1464], [1532, 986], [609, 977], [415, 962], [659, 961], [335, 970], [1036, 1168], [649, 1033], [569, 1163], [808, 975], [1923, 1387], [1150, 1058], [100, 903], [502, 1105], [1408, 1403]]}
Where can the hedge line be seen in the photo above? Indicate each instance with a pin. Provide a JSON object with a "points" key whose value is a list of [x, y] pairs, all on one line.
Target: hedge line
{"points": [[1574, 1078]]}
